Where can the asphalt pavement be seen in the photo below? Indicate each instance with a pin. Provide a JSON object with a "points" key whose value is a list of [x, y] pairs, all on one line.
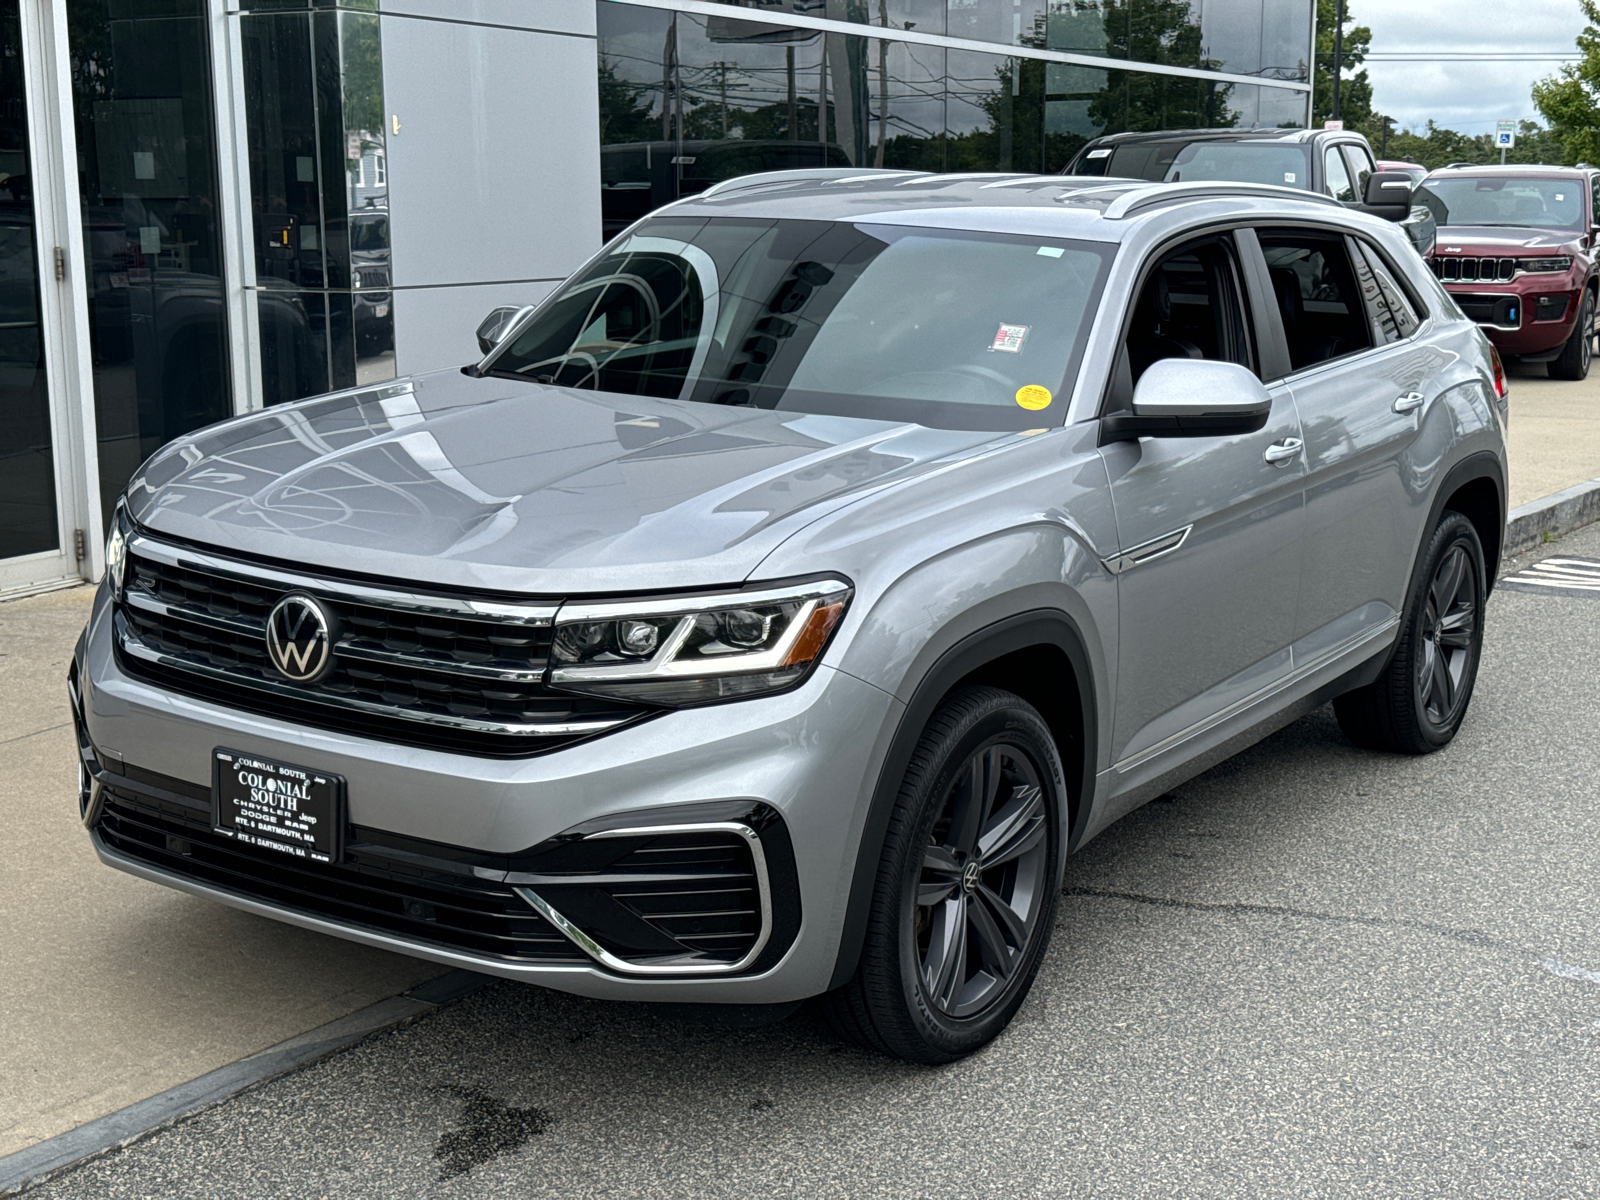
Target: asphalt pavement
{"points": [[1313, 971]]}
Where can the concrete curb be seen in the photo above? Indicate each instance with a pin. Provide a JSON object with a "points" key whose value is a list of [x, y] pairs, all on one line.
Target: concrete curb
{"points": [[1561, 513], [113, 1131]]}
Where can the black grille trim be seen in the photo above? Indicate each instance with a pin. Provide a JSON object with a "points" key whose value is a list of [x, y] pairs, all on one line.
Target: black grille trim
{"points": [[428, 904], [1468, 268], [431, 671]]}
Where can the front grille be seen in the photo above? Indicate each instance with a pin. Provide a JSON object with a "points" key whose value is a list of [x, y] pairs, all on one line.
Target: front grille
{"points": [[698, 889], [1467, 269], [421, 670], [369, 889]]}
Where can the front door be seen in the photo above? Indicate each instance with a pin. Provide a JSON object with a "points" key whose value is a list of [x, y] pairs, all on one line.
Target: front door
{"points": [[1209, 527]]}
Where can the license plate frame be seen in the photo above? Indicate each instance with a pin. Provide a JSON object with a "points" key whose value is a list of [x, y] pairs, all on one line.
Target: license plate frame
{"points": [[278, 807]]}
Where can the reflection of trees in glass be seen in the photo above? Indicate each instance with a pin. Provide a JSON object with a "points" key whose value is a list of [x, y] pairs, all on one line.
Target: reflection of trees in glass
{"points": [[1158, 31], [627, 110], [361, 48]]}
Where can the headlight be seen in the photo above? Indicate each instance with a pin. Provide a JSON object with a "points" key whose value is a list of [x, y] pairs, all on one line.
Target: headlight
{"points": [[116, 553], [698, 649], [1540, 266]]}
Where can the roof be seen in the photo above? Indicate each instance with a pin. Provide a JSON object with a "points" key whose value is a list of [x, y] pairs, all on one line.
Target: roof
{"points": [[1529, 169], [1098, 206], [1293, 136]]}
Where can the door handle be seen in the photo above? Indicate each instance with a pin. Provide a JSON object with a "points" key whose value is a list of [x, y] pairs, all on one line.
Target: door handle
{"points": [[1283, 452], [1408, 402]]}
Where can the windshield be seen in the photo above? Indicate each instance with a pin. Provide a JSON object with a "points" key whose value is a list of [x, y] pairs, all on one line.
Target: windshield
{"points": [[953, 330], [1486, 200], [1242, 162], [369, 233]]}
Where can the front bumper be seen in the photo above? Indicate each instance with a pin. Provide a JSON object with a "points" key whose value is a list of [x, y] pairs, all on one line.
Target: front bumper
{"points": [[453, 831], [1533, 316]]}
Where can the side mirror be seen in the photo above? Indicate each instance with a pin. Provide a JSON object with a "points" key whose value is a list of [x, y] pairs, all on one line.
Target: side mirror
{"points": [[1389, 194], [493, 327], [1191, 397]]}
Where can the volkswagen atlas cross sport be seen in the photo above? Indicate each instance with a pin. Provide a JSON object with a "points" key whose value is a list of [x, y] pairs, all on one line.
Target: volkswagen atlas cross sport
{"points": [[1516, 251], [777, 605]]}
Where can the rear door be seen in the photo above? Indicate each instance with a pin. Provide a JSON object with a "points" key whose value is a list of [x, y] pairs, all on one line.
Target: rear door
{"points": [[1362, 382]]}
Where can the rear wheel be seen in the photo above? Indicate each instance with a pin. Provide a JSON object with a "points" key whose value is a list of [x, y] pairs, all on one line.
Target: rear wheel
{"points": [[1578, 353], [1420, 700], [966, 887]]}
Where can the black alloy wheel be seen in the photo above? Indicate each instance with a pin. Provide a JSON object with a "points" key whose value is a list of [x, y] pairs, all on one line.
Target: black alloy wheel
{"points": [[966, 886], [1449, 638], [983, 871], [1419, 701]]}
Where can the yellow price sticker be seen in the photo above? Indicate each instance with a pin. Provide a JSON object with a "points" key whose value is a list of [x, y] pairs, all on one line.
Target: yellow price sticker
{"points": [[1033, 397]]}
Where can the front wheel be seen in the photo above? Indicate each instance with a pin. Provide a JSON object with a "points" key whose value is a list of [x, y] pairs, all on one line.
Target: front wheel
{"points": [[1578, 353], [1418, 703], [966, 887]]}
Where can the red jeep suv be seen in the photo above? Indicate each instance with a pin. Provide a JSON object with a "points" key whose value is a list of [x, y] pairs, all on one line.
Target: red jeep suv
{"points": [[1516, 249]]}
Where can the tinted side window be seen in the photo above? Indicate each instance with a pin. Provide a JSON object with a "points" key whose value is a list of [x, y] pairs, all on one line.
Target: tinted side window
{"points": [[1361, 168], [1336, 178], [1191, 306], [1594, 196], [1324, 315], [1393, 316]]}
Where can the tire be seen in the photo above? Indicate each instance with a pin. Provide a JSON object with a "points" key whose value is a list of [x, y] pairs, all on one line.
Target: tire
{"points": [[1420, 700], [1578, 353], [918, 994]]}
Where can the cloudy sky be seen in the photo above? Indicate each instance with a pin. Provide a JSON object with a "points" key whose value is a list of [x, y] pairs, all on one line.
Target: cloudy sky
{"points": [[1469, 96]]}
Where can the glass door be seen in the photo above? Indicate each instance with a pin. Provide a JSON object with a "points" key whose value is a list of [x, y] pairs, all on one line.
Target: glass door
{"points": [[31, 532]]}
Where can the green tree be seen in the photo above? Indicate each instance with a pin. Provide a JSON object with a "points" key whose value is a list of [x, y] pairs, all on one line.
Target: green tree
{"points": [[627, 110], [1570, 101], [1158, 31], [1355, 89], [1437, 146]]}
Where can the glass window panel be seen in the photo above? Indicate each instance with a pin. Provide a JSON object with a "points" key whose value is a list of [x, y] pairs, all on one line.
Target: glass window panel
{"points": [[1335, 178], [28, 520], [148, 185], [1280, 108], [1230, 35], [319, 184], [1286, 43]]}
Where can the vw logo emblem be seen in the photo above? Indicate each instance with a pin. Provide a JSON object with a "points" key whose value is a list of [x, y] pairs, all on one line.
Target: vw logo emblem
{"points": [[969, 877], [299, 637]]}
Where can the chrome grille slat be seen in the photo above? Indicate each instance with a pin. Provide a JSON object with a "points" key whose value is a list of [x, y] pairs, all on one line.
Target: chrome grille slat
{"points": [[454, 673], [1468, 268]]}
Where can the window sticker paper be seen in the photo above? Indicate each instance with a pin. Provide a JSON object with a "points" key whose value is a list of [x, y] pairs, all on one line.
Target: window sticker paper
{"points": [[1010, 338], [1099, 154], [1033, 397], [1288, 176], [1057, 251]]}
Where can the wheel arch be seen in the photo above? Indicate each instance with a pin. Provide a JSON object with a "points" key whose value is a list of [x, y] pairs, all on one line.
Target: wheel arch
{"points": [[1475, 488], [1024, 654]]}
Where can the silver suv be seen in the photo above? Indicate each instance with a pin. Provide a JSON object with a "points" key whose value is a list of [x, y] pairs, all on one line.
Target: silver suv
{"points": [[775, 607]]}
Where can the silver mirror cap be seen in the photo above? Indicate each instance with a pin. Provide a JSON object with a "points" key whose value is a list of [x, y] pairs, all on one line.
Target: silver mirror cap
{"points": [[1198, 387]]}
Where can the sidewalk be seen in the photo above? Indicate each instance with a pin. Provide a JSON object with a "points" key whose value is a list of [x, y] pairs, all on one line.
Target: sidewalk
{"points": [[1555, 433], [114, 989]]}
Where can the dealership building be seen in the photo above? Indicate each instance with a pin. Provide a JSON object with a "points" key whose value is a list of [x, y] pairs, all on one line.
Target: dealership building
{"points": [[216, 206]]}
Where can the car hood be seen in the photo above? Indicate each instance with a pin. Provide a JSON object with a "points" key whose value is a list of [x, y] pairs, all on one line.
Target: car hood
{"points": [[1500, 239], [500, 485]]}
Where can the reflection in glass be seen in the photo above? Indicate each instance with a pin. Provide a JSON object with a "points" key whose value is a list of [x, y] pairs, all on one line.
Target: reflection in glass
{"points": [[687, 100], [147, 177], [28, 522], [320, 197]]}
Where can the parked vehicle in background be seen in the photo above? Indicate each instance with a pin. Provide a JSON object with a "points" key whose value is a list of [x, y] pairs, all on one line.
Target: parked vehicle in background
{"points": [[370, 265], [778, 603], [1517, 253], [1334, 162], [636, 178], [1413, 171]]}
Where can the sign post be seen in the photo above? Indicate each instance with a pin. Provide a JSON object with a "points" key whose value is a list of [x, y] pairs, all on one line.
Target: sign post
{"points": [[1505, 137]]}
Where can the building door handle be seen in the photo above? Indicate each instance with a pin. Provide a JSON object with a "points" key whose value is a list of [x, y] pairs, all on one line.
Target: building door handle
{"points": [[1408, 402], [1283, 452]]}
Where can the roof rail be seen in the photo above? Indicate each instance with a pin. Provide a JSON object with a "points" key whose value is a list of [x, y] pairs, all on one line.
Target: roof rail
{"points": [[1170, 193], [800, 175]]}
